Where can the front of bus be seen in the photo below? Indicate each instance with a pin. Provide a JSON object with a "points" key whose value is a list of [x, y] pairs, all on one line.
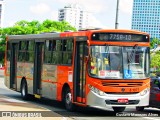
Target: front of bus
{"points": [[118, 70]]}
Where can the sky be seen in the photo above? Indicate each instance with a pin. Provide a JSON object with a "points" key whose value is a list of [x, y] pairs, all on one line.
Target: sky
{"points": [[103, 11]]}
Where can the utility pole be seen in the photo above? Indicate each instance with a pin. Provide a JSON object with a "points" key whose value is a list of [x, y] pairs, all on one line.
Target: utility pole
{"points": [[117, 11]]}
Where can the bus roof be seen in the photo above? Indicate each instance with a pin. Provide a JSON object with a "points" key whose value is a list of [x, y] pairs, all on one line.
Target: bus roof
{"points": [[70, 34]]}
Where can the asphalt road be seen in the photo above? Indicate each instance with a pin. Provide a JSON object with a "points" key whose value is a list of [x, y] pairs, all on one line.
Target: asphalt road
{"points": [[84, 113]]}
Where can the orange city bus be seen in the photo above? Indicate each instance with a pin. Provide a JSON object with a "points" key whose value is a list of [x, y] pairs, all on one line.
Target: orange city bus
{"points": [[97, 68]]}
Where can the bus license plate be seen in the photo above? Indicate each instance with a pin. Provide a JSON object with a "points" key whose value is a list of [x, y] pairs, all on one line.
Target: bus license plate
{"points": [[122, 100]]}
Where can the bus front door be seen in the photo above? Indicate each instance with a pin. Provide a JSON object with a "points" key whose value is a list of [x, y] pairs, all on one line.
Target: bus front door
{"points": [[80, 72], [13, 65], [39, 48]]}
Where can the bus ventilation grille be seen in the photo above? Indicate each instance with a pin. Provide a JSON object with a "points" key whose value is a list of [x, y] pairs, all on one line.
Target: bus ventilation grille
{"points": [[122, 93], [122, 84]]}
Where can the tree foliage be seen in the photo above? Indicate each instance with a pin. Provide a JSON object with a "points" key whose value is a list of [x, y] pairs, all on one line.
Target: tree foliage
{"points": [[154, 42], [34, 27], [155, 56], [155, 60], [2, 48]]}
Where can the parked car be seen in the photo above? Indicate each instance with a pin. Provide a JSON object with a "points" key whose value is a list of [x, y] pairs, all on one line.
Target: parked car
{"points": [[155, 92]]}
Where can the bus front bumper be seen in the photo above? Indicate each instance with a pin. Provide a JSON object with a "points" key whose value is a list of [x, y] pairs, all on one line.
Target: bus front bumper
{"points": [[108, 101]]}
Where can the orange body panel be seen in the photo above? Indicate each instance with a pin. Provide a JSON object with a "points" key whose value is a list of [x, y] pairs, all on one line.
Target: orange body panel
{"points": [[115, 86], [62, 78], [79, 99]]}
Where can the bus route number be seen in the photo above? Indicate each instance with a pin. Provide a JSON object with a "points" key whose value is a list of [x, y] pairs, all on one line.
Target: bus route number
{"points": [[120, 37]]}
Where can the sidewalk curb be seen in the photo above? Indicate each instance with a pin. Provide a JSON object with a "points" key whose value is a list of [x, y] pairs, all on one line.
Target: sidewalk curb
{"points": [[1, 76], [17, 108], [1, 73]]}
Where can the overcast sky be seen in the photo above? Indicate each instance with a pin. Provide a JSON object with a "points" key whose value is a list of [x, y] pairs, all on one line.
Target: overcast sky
{"points": [[104, 11]]}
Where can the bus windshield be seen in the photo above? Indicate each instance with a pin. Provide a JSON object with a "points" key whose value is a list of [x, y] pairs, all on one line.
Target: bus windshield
{"points": [[115, 62]]}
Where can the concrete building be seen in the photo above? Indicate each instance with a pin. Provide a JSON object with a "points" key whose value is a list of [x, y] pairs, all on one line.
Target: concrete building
{"points": [[146, 17], [74, 15], [1, 13]]}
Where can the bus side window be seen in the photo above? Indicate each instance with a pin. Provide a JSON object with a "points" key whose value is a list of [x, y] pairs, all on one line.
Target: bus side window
{"points": [[48, 51], [31, 45], [30, 51], [64, 46], [55, 55], [27, 53], [70, 45], [23, 45], [59, 51], [22, 51], [67, 51], [54, 45], [70, 50], [64, 53], [50, 47], [58, 45]]}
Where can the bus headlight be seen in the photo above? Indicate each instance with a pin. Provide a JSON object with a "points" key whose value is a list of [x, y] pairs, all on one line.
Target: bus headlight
{"points": [[143, 92], [95, 90]]}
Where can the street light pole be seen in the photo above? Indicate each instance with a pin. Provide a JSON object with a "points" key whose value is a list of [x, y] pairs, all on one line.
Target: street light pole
{"points": [[117, 11]]}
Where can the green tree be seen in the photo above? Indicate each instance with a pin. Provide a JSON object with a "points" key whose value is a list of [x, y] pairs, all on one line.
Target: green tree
{"points": [[2, 43], [49, 25], [154, 41], [2, 48], [34, 27], [155, 61]]}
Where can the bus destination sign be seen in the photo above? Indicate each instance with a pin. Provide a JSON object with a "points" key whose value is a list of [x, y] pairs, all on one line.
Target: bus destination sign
{"points": [[119, 37]]}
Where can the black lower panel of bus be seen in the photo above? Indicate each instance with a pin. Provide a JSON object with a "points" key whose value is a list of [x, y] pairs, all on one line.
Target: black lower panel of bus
{"points": [[115, 102]]}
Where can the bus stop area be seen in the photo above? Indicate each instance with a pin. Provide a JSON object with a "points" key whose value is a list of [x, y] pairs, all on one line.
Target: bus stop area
{"points": [[11, 108]]}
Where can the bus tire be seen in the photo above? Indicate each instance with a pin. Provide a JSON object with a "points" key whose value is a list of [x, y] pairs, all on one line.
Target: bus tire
{"points": [[140, 108], [119, 109], [24, 90], [68, 100]]}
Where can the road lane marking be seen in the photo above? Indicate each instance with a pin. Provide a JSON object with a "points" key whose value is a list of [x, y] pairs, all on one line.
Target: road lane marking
{"points": [[14, 100]]}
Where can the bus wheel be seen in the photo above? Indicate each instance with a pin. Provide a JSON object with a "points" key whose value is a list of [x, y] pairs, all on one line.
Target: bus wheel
{"points": [[68, 100], [24, 91], [118, 109], [139, 108]]}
